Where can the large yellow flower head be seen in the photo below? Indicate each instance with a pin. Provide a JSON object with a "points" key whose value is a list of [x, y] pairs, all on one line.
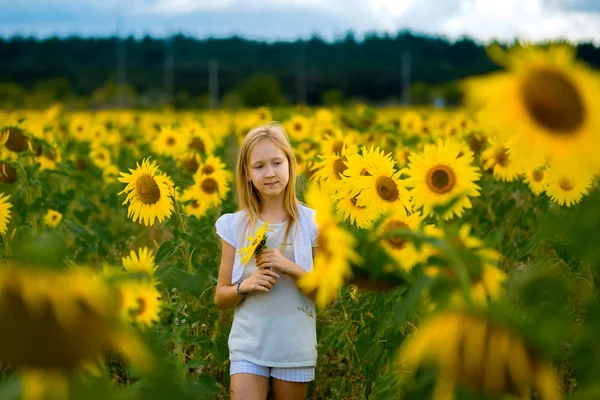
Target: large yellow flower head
{"points": [[330, 170], [379, 186], [298, 127], [546, 102], [142, 261], [5, 207], [255, 243], [487, 283], [567, 188], [149, 193], [486, 357], [334, 254], [499, 159], [49, 329], [402, 250], [140, 302], [440, 174], [212, 189], [537, 179], [170, 142]]}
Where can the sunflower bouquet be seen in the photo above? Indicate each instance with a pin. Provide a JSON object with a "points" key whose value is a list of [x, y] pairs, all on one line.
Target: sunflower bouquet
{"points": [[257, 243]]}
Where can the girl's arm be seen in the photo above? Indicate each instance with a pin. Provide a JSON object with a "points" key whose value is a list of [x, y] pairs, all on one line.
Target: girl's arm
{"points": [[226, 295]]}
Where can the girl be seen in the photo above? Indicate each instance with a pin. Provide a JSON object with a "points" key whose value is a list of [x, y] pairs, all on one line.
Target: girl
{"points": [[272, 343]]}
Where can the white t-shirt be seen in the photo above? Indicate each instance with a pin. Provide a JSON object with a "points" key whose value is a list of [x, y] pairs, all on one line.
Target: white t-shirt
{"points": [[275, 329]]}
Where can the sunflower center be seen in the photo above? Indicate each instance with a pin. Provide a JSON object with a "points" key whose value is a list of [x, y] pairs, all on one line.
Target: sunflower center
{"points": [[147, 189], [297, 126], [195, 204], [337, 147], [208, 169], [501, 157], [190, 164], [339, 167], [475, 142], [387, 189], [538, 175], [171, 141], [441, 179], [198, 145], [209, 186], [566, 184], [395, 242], [54, 217], [553, 102], [142, 306], [16, 140]]}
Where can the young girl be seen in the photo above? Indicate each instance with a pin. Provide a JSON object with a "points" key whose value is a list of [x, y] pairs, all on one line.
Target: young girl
{"points": [[272, 343]]}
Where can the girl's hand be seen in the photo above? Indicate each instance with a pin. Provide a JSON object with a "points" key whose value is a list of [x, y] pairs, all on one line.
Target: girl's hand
{"points": [[261, 281], [272, 258]]}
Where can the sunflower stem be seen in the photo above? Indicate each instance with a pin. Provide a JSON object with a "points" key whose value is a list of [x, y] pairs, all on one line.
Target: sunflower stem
{"points": [[187, 258]]}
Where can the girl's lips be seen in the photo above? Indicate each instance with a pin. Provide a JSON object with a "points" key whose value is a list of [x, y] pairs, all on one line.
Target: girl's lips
{"points": [[270, 184]]}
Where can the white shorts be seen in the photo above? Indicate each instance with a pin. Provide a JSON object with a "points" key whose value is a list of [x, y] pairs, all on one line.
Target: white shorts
{"points": [[296, 374]]}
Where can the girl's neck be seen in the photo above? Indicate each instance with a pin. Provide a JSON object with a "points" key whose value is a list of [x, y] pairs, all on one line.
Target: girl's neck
{"points": [[272, 209]]}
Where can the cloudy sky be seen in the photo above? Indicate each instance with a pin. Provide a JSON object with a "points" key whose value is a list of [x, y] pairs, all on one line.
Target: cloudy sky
{"points": [[576, 20]]}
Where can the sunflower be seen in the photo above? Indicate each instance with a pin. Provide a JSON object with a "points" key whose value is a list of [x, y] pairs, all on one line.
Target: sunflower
{"points": [[412, 122], [190, 161], [567, 188], [7, 173], [52, 218], [335, 252], [347, 205], [439, 174], [337, 141], [140, 302], [401, 155], [14, 139], [64, 327], [499, 159], [109, 174], [5, 207], [213, 164], [198, 139], [546, 103], [143, 261], [170, 142], [211, 188], [298, 127], [379, 186], [402, 250], [255, 244], [331, 169], [536, 178], [263, 115], [195, 207], [80, 127], [494, 360], [486, 282], [149, 193], [100, 156]]}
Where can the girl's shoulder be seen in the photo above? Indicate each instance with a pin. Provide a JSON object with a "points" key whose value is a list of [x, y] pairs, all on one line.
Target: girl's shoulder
{"points": [[306, 213]]}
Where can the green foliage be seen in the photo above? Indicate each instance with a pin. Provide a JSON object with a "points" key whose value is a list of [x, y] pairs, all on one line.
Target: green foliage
{"points": [[261, 90]]}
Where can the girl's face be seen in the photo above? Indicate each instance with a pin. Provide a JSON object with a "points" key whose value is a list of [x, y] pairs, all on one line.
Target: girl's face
{"points": [[268, 168]]}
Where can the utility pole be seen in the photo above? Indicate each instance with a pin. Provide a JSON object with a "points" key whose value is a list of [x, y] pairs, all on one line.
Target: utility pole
{"points": [[213, 83], [169, 64], [121, 49], [406, 78], [301, 78]]}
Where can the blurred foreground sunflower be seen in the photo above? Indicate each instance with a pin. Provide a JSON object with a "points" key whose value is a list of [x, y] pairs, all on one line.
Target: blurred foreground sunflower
{"points": [[5, 207], [472, 351]]}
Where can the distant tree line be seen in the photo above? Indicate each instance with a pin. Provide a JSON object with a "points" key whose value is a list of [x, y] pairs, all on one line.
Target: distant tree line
{"points": [[151, 71]]}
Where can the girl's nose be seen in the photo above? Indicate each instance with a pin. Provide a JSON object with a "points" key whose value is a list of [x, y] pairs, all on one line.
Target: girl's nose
{"points": [[269, 172]]}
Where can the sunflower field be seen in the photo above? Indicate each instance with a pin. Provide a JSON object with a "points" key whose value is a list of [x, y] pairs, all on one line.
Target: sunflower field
{"points": [[458, 249]]}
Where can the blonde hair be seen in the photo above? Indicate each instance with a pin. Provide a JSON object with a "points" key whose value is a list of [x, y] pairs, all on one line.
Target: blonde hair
{"points": [[247, 195]]}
